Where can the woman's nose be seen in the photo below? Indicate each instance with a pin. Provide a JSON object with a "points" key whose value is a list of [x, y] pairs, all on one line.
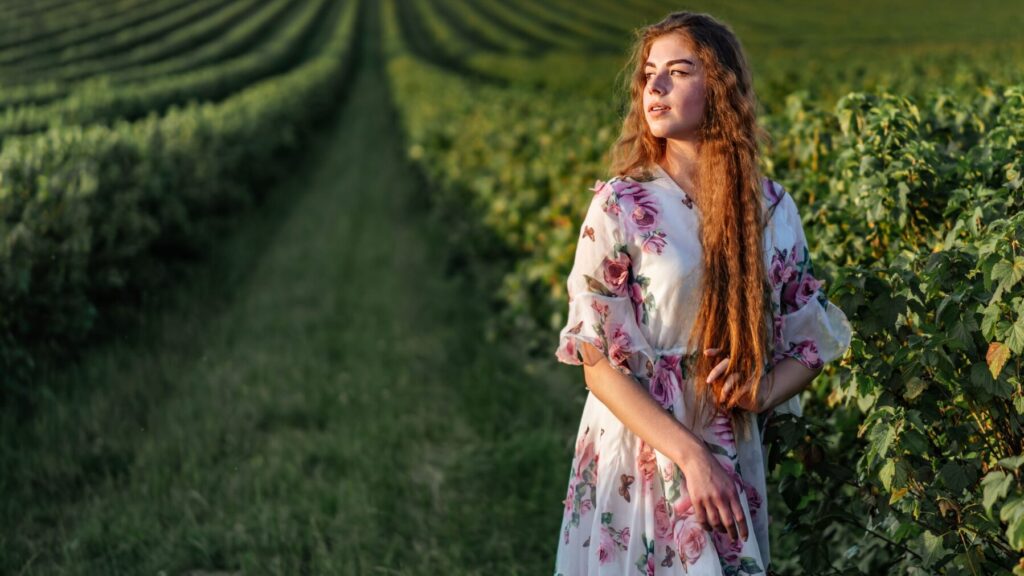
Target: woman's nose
{"points": [[655, 85]]}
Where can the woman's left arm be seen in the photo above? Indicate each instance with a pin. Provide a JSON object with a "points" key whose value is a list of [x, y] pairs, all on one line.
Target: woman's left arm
{"points": [[788, 378]]}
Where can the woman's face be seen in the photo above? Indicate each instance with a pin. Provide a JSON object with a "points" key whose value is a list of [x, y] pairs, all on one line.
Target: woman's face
{"points": [[674, 89]]}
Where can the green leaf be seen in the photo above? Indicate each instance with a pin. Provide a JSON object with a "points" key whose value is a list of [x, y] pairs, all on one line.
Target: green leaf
{"points": [[750, 566], [995, 485], [972, 559], [914, 387], [716, 449], [1015, 339], [914, 442], [1002, 269], [954, 477], [1009, 274], [1012, 462], [886, 473], [989, 319], [932, 546], [960, 337], [981, 376], [880, 438], [1013, 514]]}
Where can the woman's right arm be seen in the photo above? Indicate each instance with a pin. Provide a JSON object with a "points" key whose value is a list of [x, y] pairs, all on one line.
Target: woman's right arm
{"points": [[712, 491]]}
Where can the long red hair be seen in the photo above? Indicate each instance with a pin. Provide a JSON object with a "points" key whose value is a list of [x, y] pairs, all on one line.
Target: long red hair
{"points": [[735, 310]]}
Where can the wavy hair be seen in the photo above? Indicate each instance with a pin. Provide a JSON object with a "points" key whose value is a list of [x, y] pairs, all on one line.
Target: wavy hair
{"points": [[735, 311]]}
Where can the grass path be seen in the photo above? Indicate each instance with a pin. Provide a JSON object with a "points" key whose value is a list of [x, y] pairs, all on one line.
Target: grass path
{"points": [[317, 398]]}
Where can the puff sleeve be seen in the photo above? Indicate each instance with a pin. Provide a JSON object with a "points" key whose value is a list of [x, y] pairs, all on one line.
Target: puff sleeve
{"points": [[807, 326], [604, 309]]}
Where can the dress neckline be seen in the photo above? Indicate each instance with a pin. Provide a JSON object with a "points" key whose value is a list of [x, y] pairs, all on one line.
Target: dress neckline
{"points": [[688, 201]]}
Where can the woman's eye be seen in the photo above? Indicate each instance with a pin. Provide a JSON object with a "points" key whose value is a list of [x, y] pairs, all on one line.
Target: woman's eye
{"points": [[680, 71]]}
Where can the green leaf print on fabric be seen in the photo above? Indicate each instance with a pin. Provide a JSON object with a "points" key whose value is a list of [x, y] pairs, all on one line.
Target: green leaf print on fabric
{"points": [[645, 563], [612, 539]]}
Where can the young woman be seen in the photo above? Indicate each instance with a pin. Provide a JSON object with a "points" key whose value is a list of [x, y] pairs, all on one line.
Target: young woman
{"points": [[694, 310]]}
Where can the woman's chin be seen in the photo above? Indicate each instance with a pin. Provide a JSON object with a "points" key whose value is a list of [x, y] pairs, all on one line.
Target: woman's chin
{"points": [[658, 131]]}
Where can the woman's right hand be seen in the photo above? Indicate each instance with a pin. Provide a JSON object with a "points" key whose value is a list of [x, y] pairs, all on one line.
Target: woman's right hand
{"points": [[713, 494]]}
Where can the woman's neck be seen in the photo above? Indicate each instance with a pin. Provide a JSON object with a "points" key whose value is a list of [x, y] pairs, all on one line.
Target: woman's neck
{"points": [[680, 162]]}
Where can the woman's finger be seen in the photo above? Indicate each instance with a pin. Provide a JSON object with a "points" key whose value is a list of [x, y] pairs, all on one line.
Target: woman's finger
{"points": [[711, 351], [718, 369], [714, 521], [700, 517], [729, 389], [729, 520], [741, 518]]}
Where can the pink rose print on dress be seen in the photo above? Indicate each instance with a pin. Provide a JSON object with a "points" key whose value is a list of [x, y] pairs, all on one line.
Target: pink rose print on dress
{"points": [[806, 350], [606, 549], [640, 207], [653, 242], [647, 463], [777, 324], [668, 472], [690, 538], [620, 347], [616, 273], [636, 294], [606, 191], [682, 508], [667, 380], [721, 429], [612, 540], [582, 493], [662, 522], [796, 294], [794, 280], [728, 549], [570, 343], [585, 453], [781, 270], [601, 309], [570, 347], [753, 496]]}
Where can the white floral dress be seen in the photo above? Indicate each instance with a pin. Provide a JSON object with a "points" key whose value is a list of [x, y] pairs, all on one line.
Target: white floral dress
{"points": [[633, 294]]}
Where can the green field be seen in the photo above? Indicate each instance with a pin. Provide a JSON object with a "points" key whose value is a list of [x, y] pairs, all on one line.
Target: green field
{"points": [[280, 281]]}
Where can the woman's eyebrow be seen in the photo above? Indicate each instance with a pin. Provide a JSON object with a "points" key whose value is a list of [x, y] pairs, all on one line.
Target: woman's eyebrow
{"points": [[671, 62]]}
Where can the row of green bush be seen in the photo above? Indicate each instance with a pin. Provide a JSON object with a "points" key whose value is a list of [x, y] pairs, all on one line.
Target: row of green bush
{"points": [[133, 43], [252, 31], [156, 42], [37, 22], [122, 22], [513, 45], [98, 101], [89, 213]]}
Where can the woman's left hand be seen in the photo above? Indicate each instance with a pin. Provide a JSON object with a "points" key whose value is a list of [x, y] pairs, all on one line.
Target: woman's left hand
{"points": [[736, 398]]}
